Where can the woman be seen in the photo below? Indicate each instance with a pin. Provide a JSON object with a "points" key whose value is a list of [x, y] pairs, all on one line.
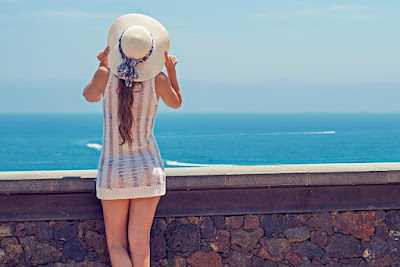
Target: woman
{"points": [[131, 177]]}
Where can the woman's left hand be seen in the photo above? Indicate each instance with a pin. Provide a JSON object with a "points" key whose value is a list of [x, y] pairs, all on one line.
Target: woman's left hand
{"points": [[102, 56], [170, 62]]}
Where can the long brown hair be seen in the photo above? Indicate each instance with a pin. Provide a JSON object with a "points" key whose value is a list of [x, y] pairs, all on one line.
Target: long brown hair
{"points": [[125, 102]]}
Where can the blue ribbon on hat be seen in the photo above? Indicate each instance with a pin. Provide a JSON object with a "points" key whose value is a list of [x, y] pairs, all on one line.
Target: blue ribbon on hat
{"points": [[126, 70]]}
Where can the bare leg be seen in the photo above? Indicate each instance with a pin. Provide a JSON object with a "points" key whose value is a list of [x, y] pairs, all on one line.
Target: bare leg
{"points": [[141, 215], [115, 214]]}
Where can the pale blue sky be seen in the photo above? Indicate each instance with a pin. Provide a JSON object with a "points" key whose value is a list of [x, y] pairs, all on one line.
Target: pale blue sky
{"points": [[234, 56]]}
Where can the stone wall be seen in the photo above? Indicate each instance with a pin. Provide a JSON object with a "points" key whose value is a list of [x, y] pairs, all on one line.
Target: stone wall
{"points": [[272, 215], [337, 238]]}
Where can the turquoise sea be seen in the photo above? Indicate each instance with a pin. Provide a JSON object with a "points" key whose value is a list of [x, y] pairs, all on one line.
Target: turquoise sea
{"points": [[72, 141]]}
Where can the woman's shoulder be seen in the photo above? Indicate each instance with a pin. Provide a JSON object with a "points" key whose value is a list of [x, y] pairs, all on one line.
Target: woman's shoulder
{"points": [[104, 71], [161, 76], [102, 74], [161, 79]]}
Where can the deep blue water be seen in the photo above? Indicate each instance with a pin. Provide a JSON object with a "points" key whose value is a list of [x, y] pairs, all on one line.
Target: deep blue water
{"points": [[71, 141]]}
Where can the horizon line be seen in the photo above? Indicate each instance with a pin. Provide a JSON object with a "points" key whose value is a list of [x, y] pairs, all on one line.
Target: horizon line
{"points": [[211, 112]]}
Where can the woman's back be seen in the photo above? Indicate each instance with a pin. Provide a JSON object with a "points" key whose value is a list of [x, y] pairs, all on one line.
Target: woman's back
{"points": [[130, 170], [131, 177]]}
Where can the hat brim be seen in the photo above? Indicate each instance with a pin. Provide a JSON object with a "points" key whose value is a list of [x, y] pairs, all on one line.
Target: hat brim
{"points": [[154, 64]]}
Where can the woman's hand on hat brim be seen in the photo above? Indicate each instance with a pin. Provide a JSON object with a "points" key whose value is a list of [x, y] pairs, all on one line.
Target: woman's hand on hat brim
{"points": [[102, 56], [170, 62]]}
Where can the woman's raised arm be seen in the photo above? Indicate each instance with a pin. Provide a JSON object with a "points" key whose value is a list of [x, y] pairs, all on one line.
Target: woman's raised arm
{"points": [[94, 90], [167, 87]]}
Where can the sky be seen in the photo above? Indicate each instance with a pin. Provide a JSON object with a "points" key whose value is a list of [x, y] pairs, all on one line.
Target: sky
{"points": [[234, 56]]}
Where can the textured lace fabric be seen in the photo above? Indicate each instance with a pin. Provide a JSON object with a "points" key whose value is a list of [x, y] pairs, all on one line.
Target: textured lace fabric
{"points": [[133, 170]]}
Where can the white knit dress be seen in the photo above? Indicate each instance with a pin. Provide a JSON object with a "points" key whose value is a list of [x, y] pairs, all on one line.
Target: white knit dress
{"points": [[130, 170]]}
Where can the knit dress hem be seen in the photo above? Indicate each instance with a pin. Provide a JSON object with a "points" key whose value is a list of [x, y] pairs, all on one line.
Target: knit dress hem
{"points": [[131, 192]]}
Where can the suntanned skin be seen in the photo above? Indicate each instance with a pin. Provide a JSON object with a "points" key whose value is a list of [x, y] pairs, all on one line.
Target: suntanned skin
{"points": [[128, 221], [167, 86]]}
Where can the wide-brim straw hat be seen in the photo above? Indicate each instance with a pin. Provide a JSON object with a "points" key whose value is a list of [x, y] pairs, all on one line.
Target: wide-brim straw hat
{"points": [[138, 34]]}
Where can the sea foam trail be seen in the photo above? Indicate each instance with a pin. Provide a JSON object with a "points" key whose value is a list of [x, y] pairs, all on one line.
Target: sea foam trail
{"points": [[168, 162], [321, 132], [246, 134], [185, 164], [94, 145]]}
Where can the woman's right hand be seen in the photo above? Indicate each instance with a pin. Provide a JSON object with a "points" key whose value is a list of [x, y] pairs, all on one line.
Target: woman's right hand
{"points": [[102, 56]]}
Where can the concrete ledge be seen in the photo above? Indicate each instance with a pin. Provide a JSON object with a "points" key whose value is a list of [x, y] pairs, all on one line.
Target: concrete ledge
{"points": [[224, 190], [23, 182]]}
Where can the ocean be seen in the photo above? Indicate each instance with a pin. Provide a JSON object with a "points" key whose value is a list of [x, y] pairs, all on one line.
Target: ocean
{"points": [[72, 141]]}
